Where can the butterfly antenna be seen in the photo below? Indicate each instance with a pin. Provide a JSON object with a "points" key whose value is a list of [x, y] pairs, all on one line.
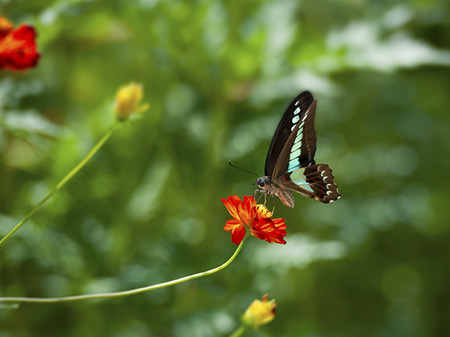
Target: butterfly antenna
{"points": [[242, 169]]}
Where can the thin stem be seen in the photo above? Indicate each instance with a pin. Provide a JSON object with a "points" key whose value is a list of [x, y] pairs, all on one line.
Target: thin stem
{"points": [[238, 332], [62, 182], [126, 292]]}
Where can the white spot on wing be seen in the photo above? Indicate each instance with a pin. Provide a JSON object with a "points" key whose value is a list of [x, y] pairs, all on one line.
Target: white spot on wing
{"points": [[304, 117]]}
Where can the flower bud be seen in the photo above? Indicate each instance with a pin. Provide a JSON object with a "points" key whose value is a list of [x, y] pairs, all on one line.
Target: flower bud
{"points": [[259, 312], [128, 98]]}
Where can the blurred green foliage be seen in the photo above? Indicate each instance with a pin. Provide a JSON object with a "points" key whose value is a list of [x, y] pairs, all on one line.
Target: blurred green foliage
{"points": [[147, 208]]}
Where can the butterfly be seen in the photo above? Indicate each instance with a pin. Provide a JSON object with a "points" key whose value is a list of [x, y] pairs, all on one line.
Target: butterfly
{"points": [[290, 164]]}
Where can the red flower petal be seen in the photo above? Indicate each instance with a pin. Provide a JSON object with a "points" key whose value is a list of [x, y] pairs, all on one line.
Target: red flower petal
{"points": [[237, 230], [232, 204], [238, 234], [279, 223], [18, 49], [242, 211], [248, 210], [231, 224], [269, 230]]}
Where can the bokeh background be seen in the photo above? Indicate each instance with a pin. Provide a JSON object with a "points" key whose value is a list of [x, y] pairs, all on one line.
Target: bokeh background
{"points": [[218, 76]]}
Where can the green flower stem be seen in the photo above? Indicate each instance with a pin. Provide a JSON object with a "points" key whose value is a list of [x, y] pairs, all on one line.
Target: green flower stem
{"points": [[63, 181], [239, 331], [126, 292]]}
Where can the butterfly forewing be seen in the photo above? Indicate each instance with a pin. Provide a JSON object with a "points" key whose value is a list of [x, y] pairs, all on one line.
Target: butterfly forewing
{"points": [[293, 114], [300, 147]]}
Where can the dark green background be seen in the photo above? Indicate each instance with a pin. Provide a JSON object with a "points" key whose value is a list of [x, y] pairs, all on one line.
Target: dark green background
{"points": [[218, 76]]}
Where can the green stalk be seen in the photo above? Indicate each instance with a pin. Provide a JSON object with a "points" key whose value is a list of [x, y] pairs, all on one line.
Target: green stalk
{"points": [[238, 332], [62, 182], [126, 292]]}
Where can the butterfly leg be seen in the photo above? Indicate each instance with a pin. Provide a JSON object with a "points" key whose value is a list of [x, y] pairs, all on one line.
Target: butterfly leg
{"points": [[260, 193], [273, 210]]}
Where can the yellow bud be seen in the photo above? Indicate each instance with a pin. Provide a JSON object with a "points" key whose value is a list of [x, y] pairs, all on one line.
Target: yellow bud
{"points": [[128, 98], [259, 312]]}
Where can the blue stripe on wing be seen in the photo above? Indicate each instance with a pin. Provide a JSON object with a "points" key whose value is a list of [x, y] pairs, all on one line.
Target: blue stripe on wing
{"points": [[298, 177], [296, 150]]}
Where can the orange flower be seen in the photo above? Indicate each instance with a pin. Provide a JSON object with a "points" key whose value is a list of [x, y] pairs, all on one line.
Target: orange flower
{"points": [[17, 46], [248, 215]]}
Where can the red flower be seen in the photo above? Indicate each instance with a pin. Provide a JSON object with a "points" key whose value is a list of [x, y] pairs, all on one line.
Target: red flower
{"points": [[17, 46], [247, 214]]}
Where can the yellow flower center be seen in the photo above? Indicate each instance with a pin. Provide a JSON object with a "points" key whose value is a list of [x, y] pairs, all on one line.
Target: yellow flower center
{"points": [[263, 212]]}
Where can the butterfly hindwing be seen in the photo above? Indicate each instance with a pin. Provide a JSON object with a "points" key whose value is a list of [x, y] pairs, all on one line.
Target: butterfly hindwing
{"points": [[315, 181], [294, 113]]}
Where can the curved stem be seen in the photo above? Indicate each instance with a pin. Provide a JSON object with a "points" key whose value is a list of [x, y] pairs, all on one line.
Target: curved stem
{"points": [[126, 292], [62, 182]]}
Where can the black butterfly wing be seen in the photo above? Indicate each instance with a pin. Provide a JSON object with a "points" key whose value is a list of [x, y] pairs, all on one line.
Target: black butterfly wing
{"points": [[293, 116]]}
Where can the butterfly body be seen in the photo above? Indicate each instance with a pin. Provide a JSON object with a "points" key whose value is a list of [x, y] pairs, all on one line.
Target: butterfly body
{"points": [[290, 164], [271, 188]]}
